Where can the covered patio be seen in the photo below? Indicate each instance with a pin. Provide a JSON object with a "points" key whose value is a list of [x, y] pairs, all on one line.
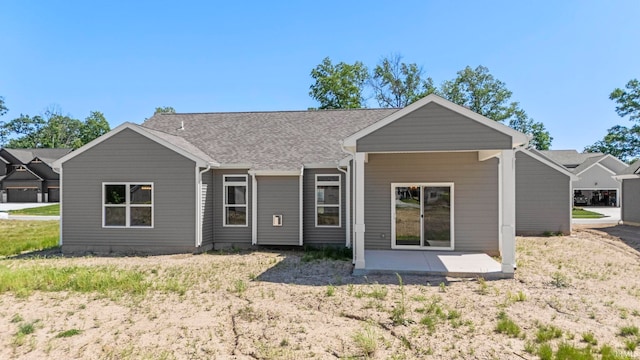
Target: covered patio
{"points": [[440, 263]]}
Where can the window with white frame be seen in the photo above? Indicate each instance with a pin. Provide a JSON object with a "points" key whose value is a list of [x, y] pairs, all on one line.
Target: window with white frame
{"points": [[127, 205], [235, 200], [328, 200]]}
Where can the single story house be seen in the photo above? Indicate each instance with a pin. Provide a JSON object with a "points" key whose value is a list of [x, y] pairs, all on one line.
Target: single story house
{"points": [[431, 176], [630, 209], [595, 184], [26, 175]]}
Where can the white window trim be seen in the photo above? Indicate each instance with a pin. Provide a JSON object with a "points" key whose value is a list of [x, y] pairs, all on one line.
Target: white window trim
{"points": [[225, 184], [393, 217], [339, 206], [128, 205]]}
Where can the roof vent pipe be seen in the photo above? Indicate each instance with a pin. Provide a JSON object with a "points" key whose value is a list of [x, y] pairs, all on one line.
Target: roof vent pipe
{"points": [[181, 125]]}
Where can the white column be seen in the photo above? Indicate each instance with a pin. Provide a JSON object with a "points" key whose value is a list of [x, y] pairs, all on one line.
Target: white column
{"points": [[508, 199], [359, 211]]}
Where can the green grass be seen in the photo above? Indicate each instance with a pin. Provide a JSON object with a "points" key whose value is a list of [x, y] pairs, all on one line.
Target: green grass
{"points": [[69, 333], [48, 210], [580, 213], [507, 326], [19, 236], [107, 280]]}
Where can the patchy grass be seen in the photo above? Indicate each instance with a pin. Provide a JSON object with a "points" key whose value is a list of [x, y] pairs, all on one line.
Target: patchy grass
{"points": [[104, 280], [580, 213], [20, 236], [565, 302], [49, 210]]}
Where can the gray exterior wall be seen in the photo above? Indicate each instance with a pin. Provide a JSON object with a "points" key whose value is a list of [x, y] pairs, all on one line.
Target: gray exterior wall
{"points": [[278, 195], [129, 157], [543, 198], [475, 195], [225, 236], [208, 212], [321, 236], [631, 201], [596, 174], [433, 128]]}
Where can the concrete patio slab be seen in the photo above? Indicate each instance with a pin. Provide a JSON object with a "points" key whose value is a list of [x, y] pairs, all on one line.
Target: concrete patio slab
{"points": [[442, 263]]}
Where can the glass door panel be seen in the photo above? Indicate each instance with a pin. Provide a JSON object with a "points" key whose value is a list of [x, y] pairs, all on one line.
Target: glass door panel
{"points": [[408, 216], [436, 204]]}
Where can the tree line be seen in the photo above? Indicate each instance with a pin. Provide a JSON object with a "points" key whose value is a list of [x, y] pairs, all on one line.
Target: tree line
{"points": [[395, 84], [51, 129], [621, 141]]}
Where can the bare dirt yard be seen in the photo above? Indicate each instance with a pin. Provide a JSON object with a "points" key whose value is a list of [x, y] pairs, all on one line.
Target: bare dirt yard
{"points": [[576, 295]]}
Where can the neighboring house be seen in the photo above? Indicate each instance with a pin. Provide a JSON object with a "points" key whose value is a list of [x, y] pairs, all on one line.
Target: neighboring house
{"points": [[26, 175], [630, 211], [431, 176], [595, 185]]}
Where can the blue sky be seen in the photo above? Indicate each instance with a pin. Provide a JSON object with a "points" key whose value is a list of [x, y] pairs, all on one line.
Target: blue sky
{"points": [[561, 59]]}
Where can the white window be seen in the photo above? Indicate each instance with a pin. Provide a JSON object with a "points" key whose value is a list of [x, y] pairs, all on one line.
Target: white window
{"points": [[328, 201], [127, 205], [235, 200]]}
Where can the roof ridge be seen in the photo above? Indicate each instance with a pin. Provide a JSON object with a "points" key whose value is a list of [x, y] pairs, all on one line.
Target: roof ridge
{"points": [[276, 111]]}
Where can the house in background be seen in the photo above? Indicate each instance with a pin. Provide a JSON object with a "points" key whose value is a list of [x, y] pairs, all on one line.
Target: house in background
{"points": [[431, 176], [630, 177], [595, 185], [26, 175]]}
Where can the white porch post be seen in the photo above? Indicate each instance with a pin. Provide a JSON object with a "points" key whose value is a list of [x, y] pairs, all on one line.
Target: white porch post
{"points": [[508, 231], [359, 210]]}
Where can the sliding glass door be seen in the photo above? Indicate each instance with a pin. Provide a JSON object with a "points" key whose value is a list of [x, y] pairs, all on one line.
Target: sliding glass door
{"points": [[422, 216]]}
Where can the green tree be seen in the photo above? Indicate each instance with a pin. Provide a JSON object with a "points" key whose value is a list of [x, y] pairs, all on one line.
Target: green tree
{"points": [[620, 141], [94, 126], [164, 110], [3, 132], [628, 100], [3, 107], [396, 84], [54, 130], [338, 86], [481, 92]]}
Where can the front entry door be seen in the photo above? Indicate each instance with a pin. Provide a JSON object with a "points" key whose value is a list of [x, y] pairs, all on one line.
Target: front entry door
{"points": [[422, 216]]}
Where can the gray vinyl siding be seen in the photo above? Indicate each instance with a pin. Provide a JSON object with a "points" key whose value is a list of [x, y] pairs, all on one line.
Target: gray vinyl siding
{"points": [[475, 195], [543, 198], [631, 201], [129, 157], [226, 236], [433, 128], [278, 195], [320, 236], [208, 212], [596, 174]]}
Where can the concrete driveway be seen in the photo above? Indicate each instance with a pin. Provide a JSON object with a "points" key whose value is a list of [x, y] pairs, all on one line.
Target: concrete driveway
{"points": [[612, 215]]}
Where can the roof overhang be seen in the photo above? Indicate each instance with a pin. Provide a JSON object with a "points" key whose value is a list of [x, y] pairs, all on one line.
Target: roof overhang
{"points": [[627, 176], [518, 139], [140, 130]]}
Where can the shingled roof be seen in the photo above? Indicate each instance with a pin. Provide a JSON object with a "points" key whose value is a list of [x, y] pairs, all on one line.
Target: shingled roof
{"points": [[48, 156], [282, 141], [569, 158]]}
